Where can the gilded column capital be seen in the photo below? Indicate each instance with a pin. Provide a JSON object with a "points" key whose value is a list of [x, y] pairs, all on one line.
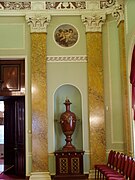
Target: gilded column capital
{"points": [[118, 13], [93, 22], [38, 22]]}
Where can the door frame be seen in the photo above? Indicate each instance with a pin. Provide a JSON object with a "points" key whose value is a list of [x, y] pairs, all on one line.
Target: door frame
{"points": [[28, 112]]}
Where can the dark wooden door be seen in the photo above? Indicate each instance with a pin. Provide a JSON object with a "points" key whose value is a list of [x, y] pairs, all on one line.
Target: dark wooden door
{"points": [[14, 134]]}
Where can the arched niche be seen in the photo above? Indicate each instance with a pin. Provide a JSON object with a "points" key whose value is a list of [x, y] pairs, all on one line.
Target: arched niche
{"points": [[74, 95]]}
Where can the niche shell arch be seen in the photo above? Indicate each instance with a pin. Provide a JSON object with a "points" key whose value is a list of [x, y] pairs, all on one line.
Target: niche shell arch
{"points": [[74, 95]]}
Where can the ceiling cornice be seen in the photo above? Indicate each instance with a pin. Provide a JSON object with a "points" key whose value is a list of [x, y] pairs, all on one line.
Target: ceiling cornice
{"points": [[92, 12], [55, 6]]}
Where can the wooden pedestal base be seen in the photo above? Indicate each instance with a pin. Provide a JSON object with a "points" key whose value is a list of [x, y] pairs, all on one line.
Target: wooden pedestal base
{"points": [[69, 165]]}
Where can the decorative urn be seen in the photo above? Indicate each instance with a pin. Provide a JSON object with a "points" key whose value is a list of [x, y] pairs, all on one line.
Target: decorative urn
{"points": [[68, 123]]}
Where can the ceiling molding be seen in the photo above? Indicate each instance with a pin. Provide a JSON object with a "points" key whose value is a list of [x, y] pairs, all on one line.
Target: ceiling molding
{"points": [[80, 58], [94, 11], [58, 5]]}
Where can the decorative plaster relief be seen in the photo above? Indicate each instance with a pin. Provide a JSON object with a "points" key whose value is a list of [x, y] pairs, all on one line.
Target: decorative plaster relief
{"points": [[107, 3], [93, 22], [118, 13], [66, 5], [38, 22], [94, 7], [15, 5], [58, 5], [80, 58]]}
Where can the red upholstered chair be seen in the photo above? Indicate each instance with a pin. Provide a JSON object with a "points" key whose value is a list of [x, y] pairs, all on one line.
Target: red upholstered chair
{"points": [[98, 166], [130, 164], [126, 174], [113, 169], [121, 169], [133, 171], [126, 164], [120, 165], [108, 164], [130, 172], [111, 165], [116, 178]]}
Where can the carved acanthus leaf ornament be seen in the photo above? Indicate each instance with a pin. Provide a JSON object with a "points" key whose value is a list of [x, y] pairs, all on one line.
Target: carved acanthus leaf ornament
{"points": [[38, 22]]}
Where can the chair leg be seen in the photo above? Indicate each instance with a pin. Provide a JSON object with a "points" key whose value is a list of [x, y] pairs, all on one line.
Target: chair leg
{"points": [[98, 175], [95, 173]]}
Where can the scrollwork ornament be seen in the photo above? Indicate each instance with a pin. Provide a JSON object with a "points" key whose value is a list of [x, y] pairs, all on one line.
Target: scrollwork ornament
{"points": [[66, 5], [38, 22], [110, 2], [118, 13], [15, 5], [107, 4]]}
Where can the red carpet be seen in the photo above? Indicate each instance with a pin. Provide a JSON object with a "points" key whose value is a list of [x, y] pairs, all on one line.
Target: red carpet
{"points": [[4, 176]]}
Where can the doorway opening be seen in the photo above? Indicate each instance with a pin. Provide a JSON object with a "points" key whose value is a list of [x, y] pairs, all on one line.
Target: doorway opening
{"points": [[13, 136], [12, 116]]}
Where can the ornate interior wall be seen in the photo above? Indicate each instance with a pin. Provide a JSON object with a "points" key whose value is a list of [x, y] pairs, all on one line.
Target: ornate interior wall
{"points": [[91, 17]]}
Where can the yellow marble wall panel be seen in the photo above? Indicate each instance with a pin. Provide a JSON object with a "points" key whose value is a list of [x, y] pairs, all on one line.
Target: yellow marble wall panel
{"points": [[96, 99], [39, 103], [127, 129]]}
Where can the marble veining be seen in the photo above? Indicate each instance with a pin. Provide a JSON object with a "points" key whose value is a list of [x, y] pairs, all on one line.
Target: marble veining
{"points": [[39, 103], [96, 99]]}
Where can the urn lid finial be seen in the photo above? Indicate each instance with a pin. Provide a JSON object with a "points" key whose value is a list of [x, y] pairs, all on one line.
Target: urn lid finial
{"points": [[67, 101]]}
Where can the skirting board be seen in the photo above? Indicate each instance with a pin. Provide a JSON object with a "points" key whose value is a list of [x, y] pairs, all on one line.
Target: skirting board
{"points": [[91, 174], [40, 176]]}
